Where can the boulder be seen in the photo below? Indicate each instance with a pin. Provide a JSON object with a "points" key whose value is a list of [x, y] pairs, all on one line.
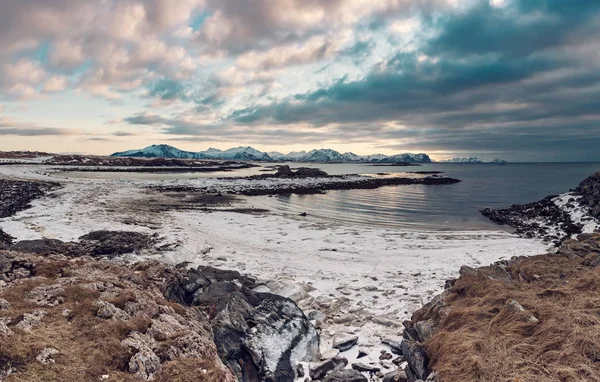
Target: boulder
{"points": [[247, 324], [310, 172], [417, 359], [346, 376], [284, 171], [345, 343], [321, 369], [358, 366]]}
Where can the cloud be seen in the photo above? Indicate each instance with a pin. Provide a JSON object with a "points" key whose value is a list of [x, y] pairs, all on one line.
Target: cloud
{"points": [[55, 84]]}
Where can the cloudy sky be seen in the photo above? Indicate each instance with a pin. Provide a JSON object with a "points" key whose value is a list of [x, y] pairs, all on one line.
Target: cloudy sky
{"points": [[516, 79]]}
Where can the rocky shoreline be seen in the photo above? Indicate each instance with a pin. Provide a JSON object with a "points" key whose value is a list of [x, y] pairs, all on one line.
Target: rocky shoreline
{"points": [[321, 185], [555, 218]]}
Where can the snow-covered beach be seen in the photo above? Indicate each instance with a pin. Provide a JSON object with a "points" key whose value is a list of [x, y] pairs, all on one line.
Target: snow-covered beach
{"points": [[351, 280]]}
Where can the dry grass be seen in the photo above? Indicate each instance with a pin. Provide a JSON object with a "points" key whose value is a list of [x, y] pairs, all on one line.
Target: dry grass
{"points": [[89, 347], [480, 340]]}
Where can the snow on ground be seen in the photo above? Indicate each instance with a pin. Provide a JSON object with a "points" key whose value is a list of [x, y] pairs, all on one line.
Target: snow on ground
{"points": [[579, 214], [366, 281]]}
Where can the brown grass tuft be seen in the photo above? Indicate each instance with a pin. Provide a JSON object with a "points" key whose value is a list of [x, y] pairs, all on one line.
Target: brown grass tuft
{"points": [[480, 340]]}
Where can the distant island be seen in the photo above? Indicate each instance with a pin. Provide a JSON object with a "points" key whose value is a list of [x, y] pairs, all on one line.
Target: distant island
{"points": [[247, 153], [473, 160], [251, 154]]}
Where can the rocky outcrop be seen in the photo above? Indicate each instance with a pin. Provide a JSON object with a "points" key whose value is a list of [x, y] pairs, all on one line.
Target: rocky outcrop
{"points": [[261, 336], [543, 271], [108, 244], [99, 318], [215, 316], [543, 219], [589, 189], [16, 195], [552, 218]]}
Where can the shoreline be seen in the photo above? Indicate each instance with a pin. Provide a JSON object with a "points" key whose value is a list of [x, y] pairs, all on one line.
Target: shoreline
{"points": [[350, 280]]}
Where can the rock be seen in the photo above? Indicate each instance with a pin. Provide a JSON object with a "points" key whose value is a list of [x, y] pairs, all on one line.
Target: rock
{"points": [[30, 320], [284, 171], [4, 304], [299, 371], [345, 343], [304, 214], [320, 370], [362, 353], [4, 327], [45, 357], [358, 366], [417, 358], [394, 345], [106, 310], [310, 172], [397, 376], [346, 376], [46, 295], [329, 353], [144, 364], [385, 356]]}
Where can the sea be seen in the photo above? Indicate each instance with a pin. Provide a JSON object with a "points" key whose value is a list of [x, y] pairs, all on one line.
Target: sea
{"points": [[419, 207]]}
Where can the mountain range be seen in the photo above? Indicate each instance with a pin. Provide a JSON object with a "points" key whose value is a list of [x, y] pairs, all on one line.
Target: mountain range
{"points": [[250, 154]]}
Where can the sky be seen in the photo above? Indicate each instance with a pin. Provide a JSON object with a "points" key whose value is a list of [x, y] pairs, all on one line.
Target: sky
{"points": [[514, 79]]}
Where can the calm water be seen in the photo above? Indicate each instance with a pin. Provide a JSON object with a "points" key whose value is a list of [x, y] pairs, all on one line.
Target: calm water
{"points": [[446, 207]]}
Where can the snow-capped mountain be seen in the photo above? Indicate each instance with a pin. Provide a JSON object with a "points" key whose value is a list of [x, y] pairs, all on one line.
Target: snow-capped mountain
{"points": [[322, 155], [238, 153], [248, 153], [474, 160], [161, 151]]}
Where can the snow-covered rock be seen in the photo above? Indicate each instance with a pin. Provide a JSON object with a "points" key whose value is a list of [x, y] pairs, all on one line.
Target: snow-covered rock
{"points": [[474, 160]]}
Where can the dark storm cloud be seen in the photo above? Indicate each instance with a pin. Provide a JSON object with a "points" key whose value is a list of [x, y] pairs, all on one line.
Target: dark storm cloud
{"points": [[520, 79]]}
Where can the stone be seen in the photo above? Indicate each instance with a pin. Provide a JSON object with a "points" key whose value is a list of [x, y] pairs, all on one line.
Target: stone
{"points": [[299, 371], [395, 346], [397, 376], [417, 359], [345, 343], [320, 370], [144, 364], [4, 304], [346, 376], [107, 311], [284, 171], [30, 320], [45, 356], [358, 366], [362, 353]]}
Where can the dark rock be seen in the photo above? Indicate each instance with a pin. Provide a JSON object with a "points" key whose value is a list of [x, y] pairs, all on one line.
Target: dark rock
{"points": [[16, 195], [5, 239], [358, 366], [346, 376], [526, 219], [303, 214], [299, 371], [397, 376], [247, 324], [394, 345], [344, 344], [320, 370], [418, 360], [310, 172], [284, 171], [362, 353], [385, 356]]}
